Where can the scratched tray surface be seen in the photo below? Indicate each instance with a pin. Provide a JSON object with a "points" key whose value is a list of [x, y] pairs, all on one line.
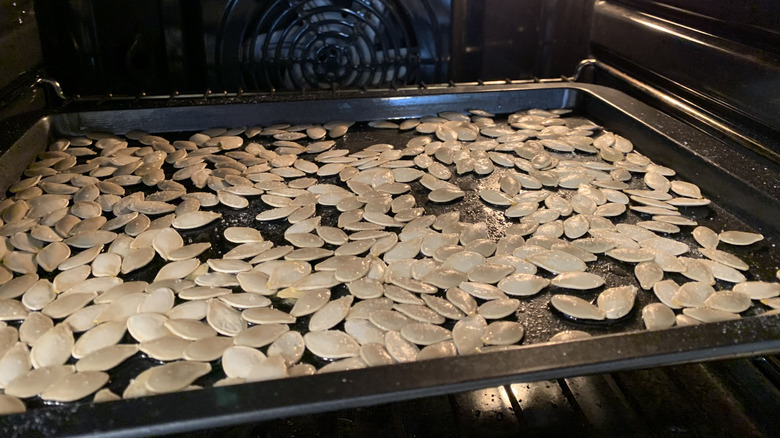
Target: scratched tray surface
{"points": [[540, 323]]}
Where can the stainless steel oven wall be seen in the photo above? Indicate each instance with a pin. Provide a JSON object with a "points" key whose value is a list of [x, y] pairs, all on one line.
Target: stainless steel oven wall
{"points": [[20, 57], [720, 57]]}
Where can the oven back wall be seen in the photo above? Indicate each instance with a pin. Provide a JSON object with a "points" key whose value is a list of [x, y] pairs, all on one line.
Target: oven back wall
{"points": [[96, 47], [518, 39], [104, 46]]}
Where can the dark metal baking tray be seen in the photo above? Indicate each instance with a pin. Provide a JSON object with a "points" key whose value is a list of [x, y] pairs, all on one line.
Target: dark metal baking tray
{"points": [[742, 186]]}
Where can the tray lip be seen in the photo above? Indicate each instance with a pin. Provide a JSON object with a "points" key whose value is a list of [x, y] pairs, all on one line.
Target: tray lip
{"points": [[342, 96], [292, 96], [107, 421]]}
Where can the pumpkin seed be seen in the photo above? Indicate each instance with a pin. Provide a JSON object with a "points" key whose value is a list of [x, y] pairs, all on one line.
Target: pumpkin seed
{"points": [[728, 301], [576, 307], [705, 314], [175, 376], [37, 380], [106, 358], [331, 344], [578, 280], [503, 333], [658, 316], [758, 290], [467, 334], [569, 335], [75, 386]]}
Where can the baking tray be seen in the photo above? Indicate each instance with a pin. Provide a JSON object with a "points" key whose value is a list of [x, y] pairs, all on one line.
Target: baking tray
{"points": [[742, 186]]}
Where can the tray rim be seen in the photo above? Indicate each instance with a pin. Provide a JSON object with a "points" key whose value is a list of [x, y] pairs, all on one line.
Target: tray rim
{"points": [[260, 401]]}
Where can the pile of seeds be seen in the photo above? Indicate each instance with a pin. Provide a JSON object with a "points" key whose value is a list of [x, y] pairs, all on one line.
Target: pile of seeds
{"points": [[109, 251]]}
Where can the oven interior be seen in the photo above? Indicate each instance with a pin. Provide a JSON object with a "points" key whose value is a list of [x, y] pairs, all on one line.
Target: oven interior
{"points": [[715, 67]]}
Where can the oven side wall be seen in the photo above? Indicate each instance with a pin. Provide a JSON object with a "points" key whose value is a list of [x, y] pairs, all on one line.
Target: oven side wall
{"points": [[722, 58]]}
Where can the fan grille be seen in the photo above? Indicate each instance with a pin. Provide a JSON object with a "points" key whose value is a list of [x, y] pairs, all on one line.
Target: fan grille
{"points": [[322, 44]]}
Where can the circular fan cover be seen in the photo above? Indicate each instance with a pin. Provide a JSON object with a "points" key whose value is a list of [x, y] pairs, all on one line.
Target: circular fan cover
{"points": [[323, 44]]}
